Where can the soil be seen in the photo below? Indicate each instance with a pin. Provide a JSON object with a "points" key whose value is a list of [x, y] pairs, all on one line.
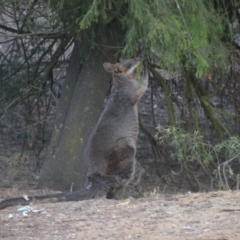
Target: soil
{"points": [[205, 216]]}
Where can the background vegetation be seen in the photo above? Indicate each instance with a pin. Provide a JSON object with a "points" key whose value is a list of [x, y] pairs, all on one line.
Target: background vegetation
{"points": [[193, 53]]}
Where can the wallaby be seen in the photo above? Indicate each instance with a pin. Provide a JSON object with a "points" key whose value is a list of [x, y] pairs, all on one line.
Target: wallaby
{"points": [[111, 148]]}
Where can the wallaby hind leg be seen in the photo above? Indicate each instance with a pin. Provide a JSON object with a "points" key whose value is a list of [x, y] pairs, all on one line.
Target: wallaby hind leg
{"points": [[119, 171], [117, 192], [121, 160], [121, 166], [139, 171], [104, 185], [114, 193]]}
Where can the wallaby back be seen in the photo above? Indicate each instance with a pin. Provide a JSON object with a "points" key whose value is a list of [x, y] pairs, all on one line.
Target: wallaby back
{"points": [[111, 148]]}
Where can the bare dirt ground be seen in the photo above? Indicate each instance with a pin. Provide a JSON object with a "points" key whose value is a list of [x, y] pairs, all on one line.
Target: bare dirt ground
{"points": [[195, 216]]}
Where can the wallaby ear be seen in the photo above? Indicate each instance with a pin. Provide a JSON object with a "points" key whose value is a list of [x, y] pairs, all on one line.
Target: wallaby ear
{"points": [[109, 67]]}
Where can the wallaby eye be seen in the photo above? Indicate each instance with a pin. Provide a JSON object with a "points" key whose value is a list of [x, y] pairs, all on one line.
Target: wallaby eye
{"points": [[119, 70], [116, 71]]}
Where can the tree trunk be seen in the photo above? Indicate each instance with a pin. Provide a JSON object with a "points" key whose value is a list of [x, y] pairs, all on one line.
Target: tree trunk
{"points": [[79, 108]]}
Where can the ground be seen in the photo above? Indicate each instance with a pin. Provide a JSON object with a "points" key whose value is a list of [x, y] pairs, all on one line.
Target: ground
{"points": [[195, 216], [166, 210]]}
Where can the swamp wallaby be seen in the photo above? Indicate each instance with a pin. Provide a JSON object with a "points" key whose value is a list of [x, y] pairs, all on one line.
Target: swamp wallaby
{"points": [[111, 148]]}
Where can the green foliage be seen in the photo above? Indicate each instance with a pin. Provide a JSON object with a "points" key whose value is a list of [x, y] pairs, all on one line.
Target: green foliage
{"points": [[188, 147], [229, 148], [191, 149], [67, 10], [96, 10], [181, 33]]}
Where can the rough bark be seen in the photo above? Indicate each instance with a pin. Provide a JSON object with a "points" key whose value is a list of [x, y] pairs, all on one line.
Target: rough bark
{"points": [[220, 129], [167, 94], [86, 86]]}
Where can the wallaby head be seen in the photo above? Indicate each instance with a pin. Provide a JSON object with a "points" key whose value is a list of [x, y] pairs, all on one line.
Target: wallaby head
{"points": [[130, 77], [124, 69]]}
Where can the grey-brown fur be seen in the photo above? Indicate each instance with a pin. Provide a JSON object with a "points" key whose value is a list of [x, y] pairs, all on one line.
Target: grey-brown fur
{"points": [[111, 148]]}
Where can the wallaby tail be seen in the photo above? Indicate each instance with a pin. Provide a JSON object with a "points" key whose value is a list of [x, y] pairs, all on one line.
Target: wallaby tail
{"points": [[82, 194]]}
